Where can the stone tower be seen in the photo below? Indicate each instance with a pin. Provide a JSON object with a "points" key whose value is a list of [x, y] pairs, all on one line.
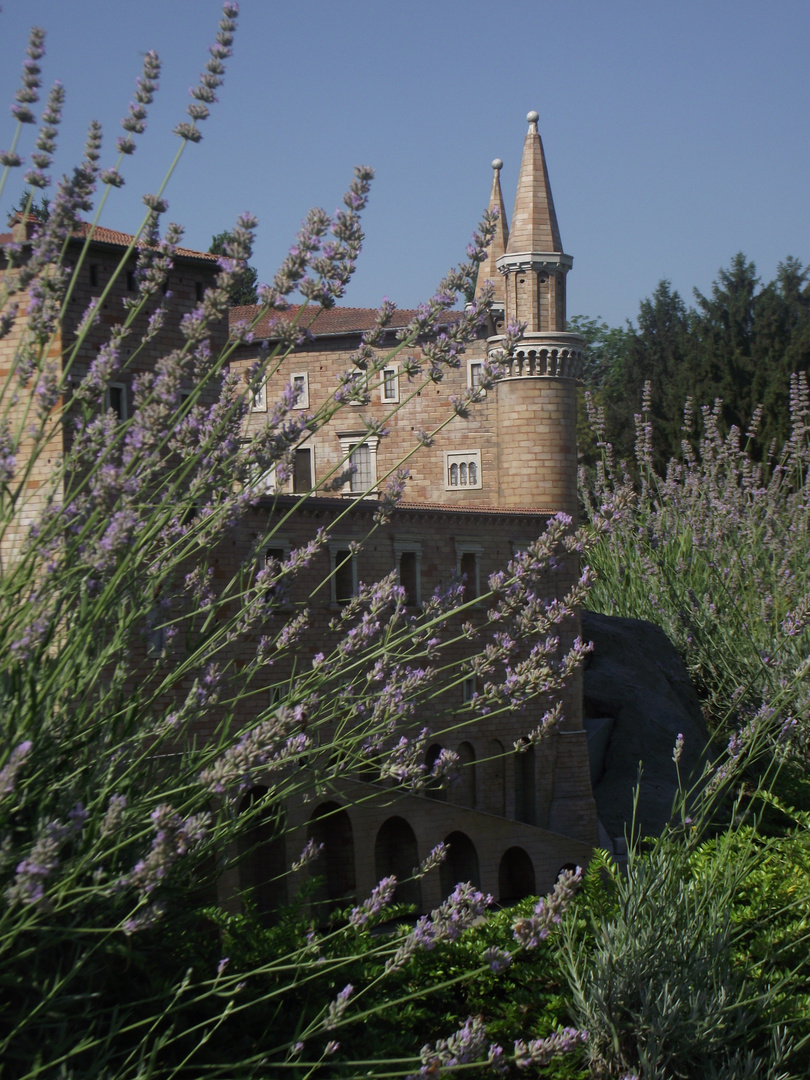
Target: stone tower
{"points": [[537, 417]]}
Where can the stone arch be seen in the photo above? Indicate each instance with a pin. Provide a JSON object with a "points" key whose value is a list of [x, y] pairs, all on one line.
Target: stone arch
{"points": [[495, 778], [461, 863], [262, 853], [395, 852], [435, 788], [515, 876], [465, 788], [524, 786], [331, 826]]}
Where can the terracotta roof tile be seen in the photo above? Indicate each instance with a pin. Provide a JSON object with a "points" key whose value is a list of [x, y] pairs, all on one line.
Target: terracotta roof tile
{"points": [[120, 239], [323, 322]]}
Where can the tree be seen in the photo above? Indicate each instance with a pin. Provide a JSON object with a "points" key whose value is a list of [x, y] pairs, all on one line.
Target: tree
{"points": [[244, 289]]}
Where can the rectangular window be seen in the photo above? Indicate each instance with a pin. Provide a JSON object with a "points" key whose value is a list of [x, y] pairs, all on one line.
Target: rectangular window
{"points": [[463, 469], [468, 554], [115, 398], [344, 572], [274, 557], [360, 451], [199, 291], [131, 280], [475, 372], [468, 566], [93, 271], [302, 471], [389, 388], [362, 478], [300, 389], [260, 399], [409, 571]]}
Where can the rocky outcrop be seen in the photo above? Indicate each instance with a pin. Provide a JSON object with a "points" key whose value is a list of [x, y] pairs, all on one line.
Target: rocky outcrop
{"points": [[638, 699]]}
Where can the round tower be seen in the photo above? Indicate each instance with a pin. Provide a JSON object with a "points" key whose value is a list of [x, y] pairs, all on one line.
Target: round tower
{"points": [[537, 408]]}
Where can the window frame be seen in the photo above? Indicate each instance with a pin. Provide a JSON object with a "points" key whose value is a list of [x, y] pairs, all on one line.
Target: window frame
{"points": [[475, 548], [123, 416], [336, 546], [471, 383], [462, 458], [302, 400], [410, 547], [385, 398], [349, 441]]}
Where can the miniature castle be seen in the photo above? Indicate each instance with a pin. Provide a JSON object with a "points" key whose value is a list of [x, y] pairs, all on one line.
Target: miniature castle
{"points": [[481, 492]]}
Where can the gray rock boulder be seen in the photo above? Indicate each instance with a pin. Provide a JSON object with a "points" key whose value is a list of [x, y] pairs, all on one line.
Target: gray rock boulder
{"points": [[638, 698]]}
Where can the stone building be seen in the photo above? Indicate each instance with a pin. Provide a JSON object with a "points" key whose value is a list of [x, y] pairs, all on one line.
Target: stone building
{"points": [[482, 491]]}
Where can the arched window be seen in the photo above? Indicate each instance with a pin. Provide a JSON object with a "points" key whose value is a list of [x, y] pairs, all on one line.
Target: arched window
{"points": [[473, 474], [462, 474], [454, 475]]}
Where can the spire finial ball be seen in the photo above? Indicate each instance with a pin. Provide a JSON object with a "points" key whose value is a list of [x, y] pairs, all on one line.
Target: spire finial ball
{"points": [[497, 164], [533, 117]]}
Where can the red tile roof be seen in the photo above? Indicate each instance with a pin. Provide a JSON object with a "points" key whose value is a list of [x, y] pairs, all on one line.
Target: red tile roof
{"points": [[323, 322], [120, 239], [113, 238]]}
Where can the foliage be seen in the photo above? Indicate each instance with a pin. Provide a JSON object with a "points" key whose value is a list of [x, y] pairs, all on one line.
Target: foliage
{"points": [[244, 290], [715, 552], [659, 958], [739, 346], [118, 649]]}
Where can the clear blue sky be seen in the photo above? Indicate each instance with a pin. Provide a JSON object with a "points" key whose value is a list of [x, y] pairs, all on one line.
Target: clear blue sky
{"points": [[676, 134]]}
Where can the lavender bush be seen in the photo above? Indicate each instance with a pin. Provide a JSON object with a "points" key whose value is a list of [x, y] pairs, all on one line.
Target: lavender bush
{"points": [[117, 646], [694, 960], [715, 552]]}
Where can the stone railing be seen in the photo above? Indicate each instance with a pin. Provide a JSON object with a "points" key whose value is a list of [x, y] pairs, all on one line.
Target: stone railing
{"points": [[544, 354]]}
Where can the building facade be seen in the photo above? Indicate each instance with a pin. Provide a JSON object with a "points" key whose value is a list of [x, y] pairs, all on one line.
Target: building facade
{"points": [[479, 491]]}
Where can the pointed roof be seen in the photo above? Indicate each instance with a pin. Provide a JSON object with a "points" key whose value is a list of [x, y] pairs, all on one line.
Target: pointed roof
{"points": [[534, 223], [487, 271]]}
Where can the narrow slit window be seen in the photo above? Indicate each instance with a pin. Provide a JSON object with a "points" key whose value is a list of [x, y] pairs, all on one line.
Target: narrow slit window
{"points": [[302, 471]]}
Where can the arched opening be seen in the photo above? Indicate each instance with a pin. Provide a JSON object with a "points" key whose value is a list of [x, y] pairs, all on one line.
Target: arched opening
{"points": [[435, 788], [515, 877], [262, 854], [331, 826], [524, 785], [395, 852], [495, 778], [461, 863], [465, 789]]}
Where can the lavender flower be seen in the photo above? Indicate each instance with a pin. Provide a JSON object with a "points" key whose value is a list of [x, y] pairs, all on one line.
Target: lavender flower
{"points": [[529, 932], [8, 774]]}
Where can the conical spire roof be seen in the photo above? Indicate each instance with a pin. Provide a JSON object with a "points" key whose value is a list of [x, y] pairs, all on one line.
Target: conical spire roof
{"points": [[487, 270], [534, 222]]}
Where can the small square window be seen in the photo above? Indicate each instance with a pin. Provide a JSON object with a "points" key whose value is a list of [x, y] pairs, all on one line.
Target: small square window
{"points": [[389, 384], [463, 470], [300, 388]]}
